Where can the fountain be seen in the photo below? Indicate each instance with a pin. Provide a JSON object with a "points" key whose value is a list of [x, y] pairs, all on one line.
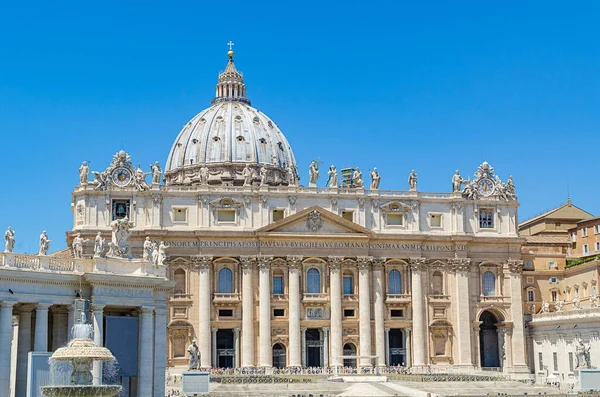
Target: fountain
{"points": [[81, 352]]}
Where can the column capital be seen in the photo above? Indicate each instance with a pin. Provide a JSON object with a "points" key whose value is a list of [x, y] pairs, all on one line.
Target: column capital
{"points": [[418, 264], [247, 261], [26, 308], [515, 266], [237, 329], [387, 329], [335, 262], [325, 329], [147, 310], [364, 262], [214, 330], [7, 304], [378, 263], [294, 261], [303, 329], [43, 306], [264, 262], [201, 262], [460, 265], [97, 308]]}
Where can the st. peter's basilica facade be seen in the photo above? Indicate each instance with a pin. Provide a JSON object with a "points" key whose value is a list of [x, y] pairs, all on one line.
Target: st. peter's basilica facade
{"points": [[272, 273]]}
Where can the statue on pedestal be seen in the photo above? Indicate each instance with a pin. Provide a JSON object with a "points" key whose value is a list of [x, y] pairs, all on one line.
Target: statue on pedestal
{"points": [[147, 253], [375, 179], [194, 352], [204, 174], [412, 181], [78, 242], [576, 303], [357, 179], [140, 179], [156, 173], [559, 305], [84, 173], [292, 175], [162, 254], [263, 176], [119, 244], [44, 243], [332, 182], [545, 307], [457, 182], [99, 243], [247, 174], [313, 174], [582, 353], [9, 239]]}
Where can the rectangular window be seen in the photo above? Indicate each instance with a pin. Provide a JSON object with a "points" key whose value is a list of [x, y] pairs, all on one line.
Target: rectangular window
{"points": [[586, 249], [226, 216], [120, 209], [529, 280], [348, 312], [530, 296], [528, 264], [554, 295], [553, 280], [277, 215], [597, 229], [348, 285], [486, 219], [278, 312], [584, 232], [552, 265], [573, 237], [435, 220], [555, 358], [348, 215], [541, 361], [571, 364], [597, 245], [394, 219], [396, 313], [179, 215], [225, 313], [278, 285]]}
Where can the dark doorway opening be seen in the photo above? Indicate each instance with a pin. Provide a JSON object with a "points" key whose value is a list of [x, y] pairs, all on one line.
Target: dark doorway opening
{"points": [[397, 348], [314, 347], [488, 340], [225, 349]]}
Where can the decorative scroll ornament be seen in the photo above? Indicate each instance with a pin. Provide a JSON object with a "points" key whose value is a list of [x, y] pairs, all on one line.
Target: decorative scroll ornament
{"points": [[364, 262], [515, 266], [314, 221], [487, 185], [247, 262], [202, 262], [460, 265], [294, 261], [418, 264], [335, 262]]}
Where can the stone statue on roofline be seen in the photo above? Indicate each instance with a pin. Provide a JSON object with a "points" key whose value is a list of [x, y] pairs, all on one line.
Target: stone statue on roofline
{"points": [[357, 178], [156, 173], [44, 243], [99, 244], [78, 242], [313, 174], [84, 172], [247, 174], [9, 240], [119, 244], [375, 179], [332, 182], [412, 181]]}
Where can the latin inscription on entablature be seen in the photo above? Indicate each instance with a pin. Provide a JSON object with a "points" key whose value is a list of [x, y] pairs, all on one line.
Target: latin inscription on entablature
{"points": [[123, 292]]}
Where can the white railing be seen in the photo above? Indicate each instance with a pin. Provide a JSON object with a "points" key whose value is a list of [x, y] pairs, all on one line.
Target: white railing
{"points": [[26, 261], [61, 264]]}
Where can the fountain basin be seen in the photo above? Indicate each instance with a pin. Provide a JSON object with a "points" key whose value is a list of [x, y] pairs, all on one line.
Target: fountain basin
{"points": [[81, 391], [82, 348]]}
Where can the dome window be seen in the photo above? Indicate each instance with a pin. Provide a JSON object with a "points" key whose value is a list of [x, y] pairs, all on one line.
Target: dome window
{"points": [[240, 138], [255, 120], [216, 138], [280, 145], [238, 119], [194, 140], [263, 140], [270, 124]]}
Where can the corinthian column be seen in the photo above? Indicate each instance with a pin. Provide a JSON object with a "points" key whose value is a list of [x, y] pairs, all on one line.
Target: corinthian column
{"points": [[247, 311], [294, 263], [417, 266], [364, 309], [463, 321], [379, 311], [203, 264], [335, 299], [23, 349], [6, 332], [265, 356], [146, 358], [516, 311]]}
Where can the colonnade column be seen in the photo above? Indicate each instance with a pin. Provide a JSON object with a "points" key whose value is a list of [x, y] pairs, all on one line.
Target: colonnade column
{"points": [[146, 358], [461, 267], [294, 264], [98, 323], [335, 298], [6, 332], [418, 310], [379, 296], [519, 361], [213, 340], [325, 347], [41, 327], [23, 349], [204, 266], [59, 327], [160, 351], [364, 309], [247, 311], [265, 354]]}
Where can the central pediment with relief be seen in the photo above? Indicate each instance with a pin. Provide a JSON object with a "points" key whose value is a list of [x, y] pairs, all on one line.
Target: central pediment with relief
{"points": [[314, 221]]}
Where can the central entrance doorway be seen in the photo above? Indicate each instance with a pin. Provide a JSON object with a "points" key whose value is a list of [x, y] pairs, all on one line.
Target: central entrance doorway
{"points": [[350, 350], [488, 340], [397, 350], [225, 348], [279, 359], [314, 348]]}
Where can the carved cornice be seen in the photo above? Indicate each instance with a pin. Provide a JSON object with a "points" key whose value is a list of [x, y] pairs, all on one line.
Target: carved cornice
{"points": [[201, 262], [364, 262], [335, 262], [294, 261], [247, 262], [460, 265], [264, 261], [418, 264], [515, 266]]}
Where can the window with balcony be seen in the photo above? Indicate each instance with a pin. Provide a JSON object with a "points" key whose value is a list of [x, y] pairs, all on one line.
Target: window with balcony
{"points": [[395, 282], [437, 283], [489, 284], [179, 278], [278, 285], [348, 285], [486, 218], [313, 281], [225, 281]]}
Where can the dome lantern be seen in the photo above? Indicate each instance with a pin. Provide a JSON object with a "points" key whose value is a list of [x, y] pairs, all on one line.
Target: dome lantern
{"points": [[230, 86]]}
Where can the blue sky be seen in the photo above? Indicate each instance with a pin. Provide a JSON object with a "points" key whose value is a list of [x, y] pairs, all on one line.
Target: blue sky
{"points": [[434, 86]]}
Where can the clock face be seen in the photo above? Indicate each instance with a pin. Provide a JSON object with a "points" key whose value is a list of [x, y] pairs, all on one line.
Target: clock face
{"points": [[121, 176], [485, 187]]}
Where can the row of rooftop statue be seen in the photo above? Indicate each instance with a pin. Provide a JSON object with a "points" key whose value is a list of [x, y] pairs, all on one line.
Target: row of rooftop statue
{"points": [[118, 247], [121, 173]]}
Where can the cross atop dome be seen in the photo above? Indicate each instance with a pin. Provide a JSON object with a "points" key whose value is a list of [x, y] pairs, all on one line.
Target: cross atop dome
{"points": [[230, 52]]}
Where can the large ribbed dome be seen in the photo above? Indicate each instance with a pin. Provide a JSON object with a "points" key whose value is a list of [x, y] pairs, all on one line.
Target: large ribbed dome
{"points": [[217, 144]]}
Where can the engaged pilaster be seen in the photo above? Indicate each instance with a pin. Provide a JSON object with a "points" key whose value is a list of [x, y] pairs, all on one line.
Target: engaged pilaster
{"points": [[98, 323], [23, 349], [160, 351], [516, 309], [6, 331], [146, 362]]}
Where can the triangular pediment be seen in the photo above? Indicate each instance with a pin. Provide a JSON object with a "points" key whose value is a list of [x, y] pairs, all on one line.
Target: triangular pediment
{"points": [[314, 220]]}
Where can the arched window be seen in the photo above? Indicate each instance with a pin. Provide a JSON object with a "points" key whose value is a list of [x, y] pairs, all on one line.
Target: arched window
{"points": [[437, 283], [179, 278], [489, 284], [225, 281], [313, 282], [395, 282]]}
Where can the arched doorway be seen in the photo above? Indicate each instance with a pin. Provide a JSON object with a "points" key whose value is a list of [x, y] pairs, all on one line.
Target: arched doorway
{"points": [[225, 348], [397, 349], [350, 350], [314, 347], [279, 359], [488, 340]]}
